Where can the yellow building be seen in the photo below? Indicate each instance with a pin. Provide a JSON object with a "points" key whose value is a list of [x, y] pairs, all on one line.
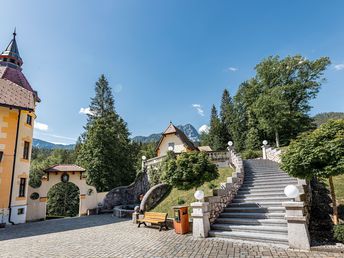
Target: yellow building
{"points": [[17, 115]]}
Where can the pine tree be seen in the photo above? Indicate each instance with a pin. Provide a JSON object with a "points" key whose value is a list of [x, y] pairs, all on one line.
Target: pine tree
{"points": [[226, 116], [106, 152], [214, 136]]}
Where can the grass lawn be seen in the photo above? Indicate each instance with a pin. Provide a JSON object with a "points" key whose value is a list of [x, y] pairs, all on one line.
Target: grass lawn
{"points": [[338, 182], [188, 196]]}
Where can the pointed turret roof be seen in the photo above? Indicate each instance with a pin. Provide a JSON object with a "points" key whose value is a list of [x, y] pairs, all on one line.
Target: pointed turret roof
{"points": [[11, 55], [10, 67]]}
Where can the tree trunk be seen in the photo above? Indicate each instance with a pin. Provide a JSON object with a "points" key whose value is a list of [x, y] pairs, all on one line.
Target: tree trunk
{"points": [[277, 139], [334, 201]]}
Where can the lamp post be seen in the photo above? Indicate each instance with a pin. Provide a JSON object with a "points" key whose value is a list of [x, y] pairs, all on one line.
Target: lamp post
{"points": [[298, 235], [144, 163], [200, 216], [170, 148], [265, 143]]}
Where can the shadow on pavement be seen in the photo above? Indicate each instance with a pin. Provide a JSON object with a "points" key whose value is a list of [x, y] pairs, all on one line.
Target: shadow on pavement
{"points": [[57, 225]]}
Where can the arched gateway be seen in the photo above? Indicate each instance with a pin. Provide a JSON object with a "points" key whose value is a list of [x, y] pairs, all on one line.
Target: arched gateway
{"points": [[37, 201]]}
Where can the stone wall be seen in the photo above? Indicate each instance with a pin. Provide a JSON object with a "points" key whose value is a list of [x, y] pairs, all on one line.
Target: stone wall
{"points": [[130, 194], [226, 193], [154, 196], [272, 154]]}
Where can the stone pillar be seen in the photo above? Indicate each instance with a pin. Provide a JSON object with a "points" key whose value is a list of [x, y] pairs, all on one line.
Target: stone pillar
{"points": [[298, 234], [200, 219], [264, 151]]}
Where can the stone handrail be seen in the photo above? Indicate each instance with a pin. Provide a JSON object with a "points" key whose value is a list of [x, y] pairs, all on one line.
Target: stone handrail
{"points": [[271, 154], [298, 211], [228, 190]]}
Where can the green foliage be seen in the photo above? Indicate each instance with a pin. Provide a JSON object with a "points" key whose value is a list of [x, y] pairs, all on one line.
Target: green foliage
{"points": [[322, 118], [214, 137], [212, 185], [319, 153], [338, 233], [43, 158], [273, 105], [63, 200], [144, 149], [188, 195], [105, 150], [251, 154], [189, 170], [226, 118], [180, 201], [155, 174]]}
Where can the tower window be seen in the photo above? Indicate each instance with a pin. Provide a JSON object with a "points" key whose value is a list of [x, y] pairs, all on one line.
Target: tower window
{"points": [[26, 150], [22, 187], [29, 119]]}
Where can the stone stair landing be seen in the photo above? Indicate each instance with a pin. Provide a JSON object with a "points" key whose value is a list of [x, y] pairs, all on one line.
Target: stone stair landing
{"points": [[256, 213]]}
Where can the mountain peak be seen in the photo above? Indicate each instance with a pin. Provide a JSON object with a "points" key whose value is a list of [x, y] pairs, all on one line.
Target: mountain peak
{"points": [[188, 129]]}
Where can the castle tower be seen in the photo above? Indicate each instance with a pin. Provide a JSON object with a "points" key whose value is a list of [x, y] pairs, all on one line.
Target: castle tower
{"points": [[17, 114]]}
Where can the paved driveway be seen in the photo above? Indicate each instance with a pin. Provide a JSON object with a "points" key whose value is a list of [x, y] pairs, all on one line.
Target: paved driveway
{"points": [[105, 236]]}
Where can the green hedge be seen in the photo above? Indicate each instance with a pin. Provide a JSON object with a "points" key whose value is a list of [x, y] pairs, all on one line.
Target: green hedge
{"points": [[338, 231]]}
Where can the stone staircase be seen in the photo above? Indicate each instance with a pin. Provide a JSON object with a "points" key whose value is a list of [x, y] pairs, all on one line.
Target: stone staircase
{"points": [[256, 213]]}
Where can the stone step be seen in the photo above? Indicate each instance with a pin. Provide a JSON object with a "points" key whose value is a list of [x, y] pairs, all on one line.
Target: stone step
{"points": [[270, 180], [270, 183], [248, 190], [251, 215], [251, 236], [261, 195], [250, 176], [254, 209], [250, 221], [262, 200], [267, 204], [262, 186], [251, 228]]}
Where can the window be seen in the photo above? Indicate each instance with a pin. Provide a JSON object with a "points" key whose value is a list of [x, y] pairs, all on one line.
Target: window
{"points": [[26, 150], [20, 211], [1, 155], [171, 146], [29, 119], [22, 187]]}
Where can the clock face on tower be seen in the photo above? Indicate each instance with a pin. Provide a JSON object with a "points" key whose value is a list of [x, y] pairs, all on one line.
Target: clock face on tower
{"points": [[65, 178]]}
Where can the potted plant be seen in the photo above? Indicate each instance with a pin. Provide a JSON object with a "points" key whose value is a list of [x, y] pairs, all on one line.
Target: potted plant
{"points": [[3, 215]]}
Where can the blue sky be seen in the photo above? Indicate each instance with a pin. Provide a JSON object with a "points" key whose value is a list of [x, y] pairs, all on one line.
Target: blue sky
{"points": [[161, 57]]}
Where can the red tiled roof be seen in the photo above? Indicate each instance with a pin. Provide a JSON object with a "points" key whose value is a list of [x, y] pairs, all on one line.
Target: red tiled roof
{"points": [[14, 95], [16, 76], [65, 168]]}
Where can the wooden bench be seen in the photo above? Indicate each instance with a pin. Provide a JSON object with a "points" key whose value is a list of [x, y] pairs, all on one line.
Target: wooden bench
{"points": [[154, 218]]}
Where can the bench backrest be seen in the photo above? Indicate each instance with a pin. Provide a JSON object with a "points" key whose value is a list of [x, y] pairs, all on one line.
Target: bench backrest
{"points": [[155, 215]]}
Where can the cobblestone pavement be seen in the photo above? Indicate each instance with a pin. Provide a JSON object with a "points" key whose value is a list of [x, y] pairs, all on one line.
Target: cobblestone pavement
{"points": [[105, 236]]}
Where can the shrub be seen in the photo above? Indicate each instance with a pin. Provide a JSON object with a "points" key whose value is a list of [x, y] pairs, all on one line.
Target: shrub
{"points": [[180, 201], [212, 186], [251, 154], [338, 231], [189, 170]]}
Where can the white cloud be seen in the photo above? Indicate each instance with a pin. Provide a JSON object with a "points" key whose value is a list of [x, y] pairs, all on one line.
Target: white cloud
{"points": [[118, 88], [199, 109], [232, 69], [41, 126], [204, 129], [339, 67], [85, 111]]}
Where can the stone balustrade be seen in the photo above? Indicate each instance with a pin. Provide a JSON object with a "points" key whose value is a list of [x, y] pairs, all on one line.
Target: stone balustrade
{"points": [[271, 154], [297, 212], [214, 205]]}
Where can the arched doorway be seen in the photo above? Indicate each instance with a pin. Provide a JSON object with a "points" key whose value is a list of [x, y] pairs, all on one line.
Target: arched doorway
{"points": [[62, 177], [63, 200]]}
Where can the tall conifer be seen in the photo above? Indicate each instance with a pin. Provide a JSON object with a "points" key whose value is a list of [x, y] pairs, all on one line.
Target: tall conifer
{"points": [[106, 152]]}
